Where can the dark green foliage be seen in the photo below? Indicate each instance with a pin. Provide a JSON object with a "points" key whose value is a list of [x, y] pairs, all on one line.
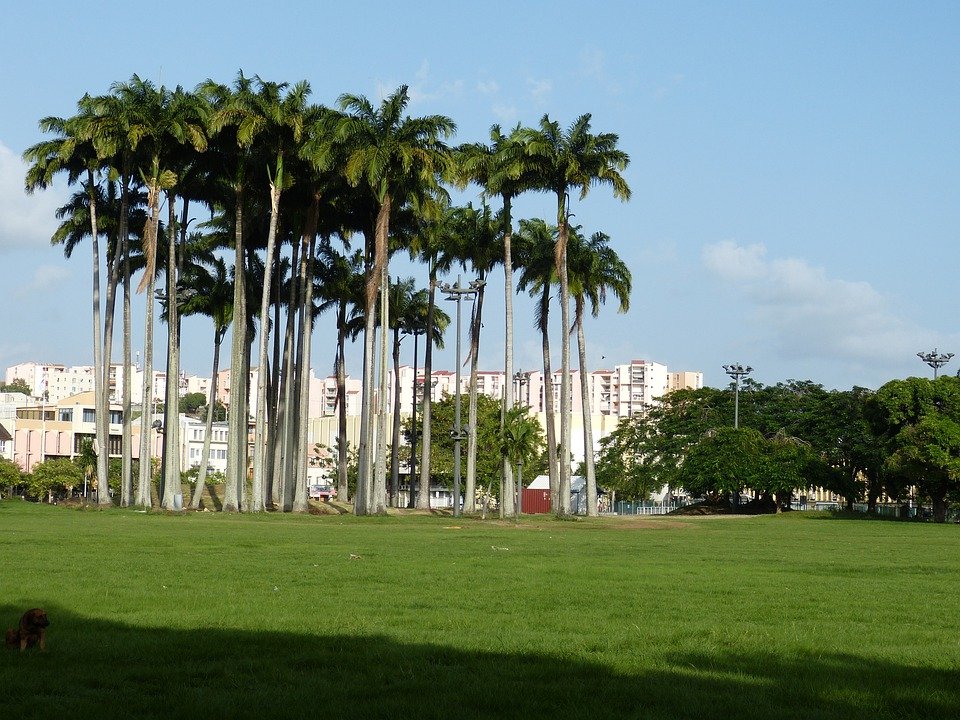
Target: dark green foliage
{"points": [[19, 385], [918, 420]]}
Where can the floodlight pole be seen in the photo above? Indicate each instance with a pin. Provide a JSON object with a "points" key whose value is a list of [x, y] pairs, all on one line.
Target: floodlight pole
{"points": [[737, 371], [522, 380], [935, 360], [456, 293]]}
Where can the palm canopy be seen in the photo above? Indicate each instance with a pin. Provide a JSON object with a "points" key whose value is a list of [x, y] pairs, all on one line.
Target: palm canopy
{"points": [[576, 158], [596, 269], [502, 168], [389, 152]]}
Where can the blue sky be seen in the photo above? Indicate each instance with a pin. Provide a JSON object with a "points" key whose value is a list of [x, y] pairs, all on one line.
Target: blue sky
{"points": [[795, 167]]}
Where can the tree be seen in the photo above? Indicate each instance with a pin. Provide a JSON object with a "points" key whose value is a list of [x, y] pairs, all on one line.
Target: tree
{"points": [[919, 422], [502, 169], [11, 476], [53, 476], [594, 268], [19, 385], [73, 151], [521, 442], [567, 160], [396, 159], [535, 259]]}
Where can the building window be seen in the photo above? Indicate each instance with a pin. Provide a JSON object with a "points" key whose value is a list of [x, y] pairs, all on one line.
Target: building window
{"points": [[65, 414], [89, 415]]}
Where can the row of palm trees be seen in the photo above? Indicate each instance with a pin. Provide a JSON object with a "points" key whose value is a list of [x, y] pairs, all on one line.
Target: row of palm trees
{"points": [[287, 187]]}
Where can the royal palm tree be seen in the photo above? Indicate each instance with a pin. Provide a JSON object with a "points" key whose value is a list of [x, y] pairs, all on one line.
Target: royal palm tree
{"points": [[535, 241], [234, 125], [73, 152], [595, 269], [397, 159], [282, 113], [502, 169], [212, 296], [341, 289], [567, 160], [477, 248]]}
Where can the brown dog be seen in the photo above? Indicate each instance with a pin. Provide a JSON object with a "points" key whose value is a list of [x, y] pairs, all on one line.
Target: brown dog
{"points": [[32, 630]]}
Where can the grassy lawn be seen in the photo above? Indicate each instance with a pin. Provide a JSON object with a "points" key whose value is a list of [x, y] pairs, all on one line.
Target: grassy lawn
{"points": [[212, 615]]}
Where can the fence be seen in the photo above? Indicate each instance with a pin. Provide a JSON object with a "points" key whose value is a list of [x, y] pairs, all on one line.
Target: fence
{"points": [[622, 507]]}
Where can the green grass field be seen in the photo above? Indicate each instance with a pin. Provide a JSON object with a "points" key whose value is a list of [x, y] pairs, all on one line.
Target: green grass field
{"points": [[213, 615]]}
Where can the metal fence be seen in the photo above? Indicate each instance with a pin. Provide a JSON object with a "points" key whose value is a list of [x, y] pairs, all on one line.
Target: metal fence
{"points": [[623, 507]]}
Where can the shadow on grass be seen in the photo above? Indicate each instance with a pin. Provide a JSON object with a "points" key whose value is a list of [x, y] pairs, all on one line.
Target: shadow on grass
{"points": [[105, 670]]}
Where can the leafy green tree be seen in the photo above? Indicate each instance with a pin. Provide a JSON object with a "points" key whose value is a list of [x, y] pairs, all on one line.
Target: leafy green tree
{"points": [[521, 443], [11, 476], [919, 421], [724, 462], [54, 476], [19, 385], [191, 403], [488, 436]]}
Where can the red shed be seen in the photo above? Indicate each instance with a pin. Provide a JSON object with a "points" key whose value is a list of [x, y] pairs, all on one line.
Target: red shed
{"points": [[536, 496]]}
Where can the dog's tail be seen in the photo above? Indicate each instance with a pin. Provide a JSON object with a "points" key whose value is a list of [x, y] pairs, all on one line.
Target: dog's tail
{"points": [[13, 638]]}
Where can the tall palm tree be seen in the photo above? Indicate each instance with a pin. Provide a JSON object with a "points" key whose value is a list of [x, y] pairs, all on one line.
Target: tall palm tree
{"points": [[567, 160], [432, 244], [73, 152], [341, 289], [502, 169], [234, 125], [595, 269], [404, 299], [477, 239], [213, 297], [282, 112], [397, 159], [535, 240]]}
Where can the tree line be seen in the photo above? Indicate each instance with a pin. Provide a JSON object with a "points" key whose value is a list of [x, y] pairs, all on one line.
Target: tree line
{"points": [[860, 444], [304, 205]]}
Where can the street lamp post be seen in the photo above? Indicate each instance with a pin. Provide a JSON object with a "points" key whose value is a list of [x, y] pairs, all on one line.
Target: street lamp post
{"points": [[522, 380], [456, 293], [935, 359], [736, 371]]}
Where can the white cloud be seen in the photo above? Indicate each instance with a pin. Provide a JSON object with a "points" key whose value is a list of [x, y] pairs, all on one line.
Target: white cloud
{"points": [[488, 87], [804, 313], [505, 113], [25, 220], [539, 90], [44, 280], [592, 67]]}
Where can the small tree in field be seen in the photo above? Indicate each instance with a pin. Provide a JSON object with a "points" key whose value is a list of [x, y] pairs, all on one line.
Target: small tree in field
{"points": [[10, 474], [52, 476]]}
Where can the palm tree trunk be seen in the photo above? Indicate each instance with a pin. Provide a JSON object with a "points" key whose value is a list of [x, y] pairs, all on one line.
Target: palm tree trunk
{"points": [[285, 411], [548, 407], [588, 458], [395, 435], [343, 485], [126, 494], [171, 426], [507, 481], [308, 256], [208, 426], [110, 308], [237, 420], [144, 488], [561, 259], [101, 411], [379, 485], [423, 491], [272, 487], [260, 439], [361, 500], [470, 490]]}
